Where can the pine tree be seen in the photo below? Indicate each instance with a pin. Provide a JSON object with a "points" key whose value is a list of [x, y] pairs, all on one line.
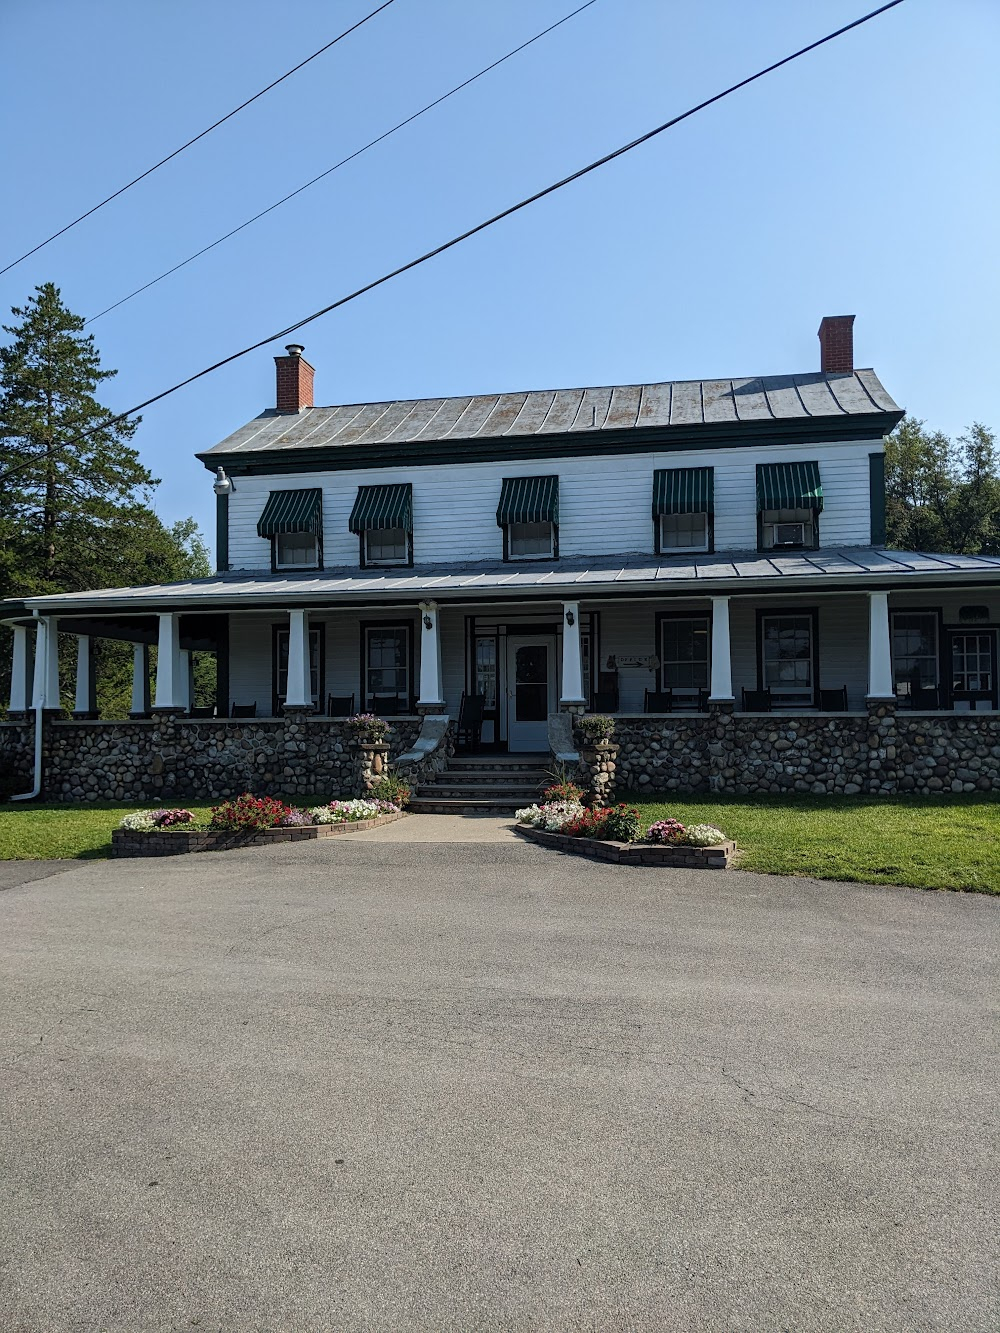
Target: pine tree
{"points": [[70, 475]]}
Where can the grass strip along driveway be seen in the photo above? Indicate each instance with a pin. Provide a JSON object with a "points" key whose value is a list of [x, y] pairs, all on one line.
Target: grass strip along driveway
{"points": [[950, 842]]}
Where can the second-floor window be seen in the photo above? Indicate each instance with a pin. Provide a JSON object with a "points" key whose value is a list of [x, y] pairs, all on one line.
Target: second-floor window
{"points": [[528, 513], [683, 509], [382, 518], [789, 502], [293, 522]]}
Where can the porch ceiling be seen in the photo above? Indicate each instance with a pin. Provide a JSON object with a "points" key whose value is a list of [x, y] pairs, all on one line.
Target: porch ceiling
{"points": [[851, 569]]}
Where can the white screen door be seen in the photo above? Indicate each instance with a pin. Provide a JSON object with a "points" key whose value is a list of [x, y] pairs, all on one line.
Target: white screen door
{"points": [[531, 691]]}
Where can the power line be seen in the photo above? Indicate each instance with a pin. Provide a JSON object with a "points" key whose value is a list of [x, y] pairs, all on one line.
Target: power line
{"points": [[472, 231], [177, 151], [343, 162]]}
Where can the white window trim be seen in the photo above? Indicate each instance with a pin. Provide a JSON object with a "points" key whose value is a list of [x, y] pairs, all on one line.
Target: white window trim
{"points": [[666, 549], [298, 564], [393, 562], [534, 555]]}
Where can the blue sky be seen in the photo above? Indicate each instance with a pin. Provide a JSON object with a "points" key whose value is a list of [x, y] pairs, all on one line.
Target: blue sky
{"points": [[863, 179]]}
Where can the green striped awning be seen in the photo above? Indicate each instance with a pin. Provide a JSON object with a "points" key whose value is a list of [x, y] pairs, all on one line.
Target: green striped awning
{"points": [[528, 500], [789, 486], [684, 490], [292, 511], [383, 507]]}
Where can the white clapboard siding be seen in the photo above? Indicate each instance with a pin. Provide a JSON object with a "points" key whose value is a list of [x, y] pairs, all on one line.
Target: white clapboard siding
{"points": [[604, 503]]}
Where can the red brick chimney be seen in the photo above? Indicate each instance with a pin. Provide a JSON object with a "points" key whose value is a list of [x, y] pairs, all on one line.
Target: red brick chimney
{"points": [[836, 344], [295, 380]]}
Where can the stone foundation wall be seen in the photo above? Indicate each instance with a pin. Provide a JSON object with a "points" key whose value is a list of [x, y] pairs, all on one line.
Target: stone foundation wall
{"points": [[882, 752], [17, 756], [165, 759], [171, 759]]}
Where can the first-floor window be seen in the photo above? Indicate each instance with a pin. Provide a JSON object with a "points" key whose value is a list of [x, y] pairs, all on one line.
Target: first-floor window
{"points": [[683, 532], [281, 666], [387, 662], [296, 550], [915, 653], [684, 653], [386, 546], [787, 655], [782, 528], [532, 541], [972, 663]]}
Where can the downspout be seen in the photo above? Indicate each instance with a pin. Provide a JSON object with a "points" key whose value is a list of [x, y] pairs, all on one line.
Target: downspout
{"points": [[39, 710]]}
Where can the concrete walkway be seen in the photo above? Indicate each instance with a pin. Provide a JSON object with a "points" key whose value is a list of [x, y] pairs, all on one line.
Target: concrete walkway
{"points": [[444, 828]]}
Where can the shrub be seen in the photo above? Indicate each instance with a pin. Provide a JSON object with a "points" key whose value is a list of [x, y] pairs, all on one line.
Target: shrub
{"points": [[248, 813], [393, 788], [666, 830], [622, 824], [369, 726], [703, 835], [596, 727]]}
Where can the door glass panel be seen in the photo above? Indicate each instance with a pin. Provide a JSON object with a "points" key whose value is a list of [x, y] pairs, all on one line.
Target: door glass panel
{"points": [[684, 653], [787, 653], [531, 683], [486, 671], [914, 651], [281, 665]]}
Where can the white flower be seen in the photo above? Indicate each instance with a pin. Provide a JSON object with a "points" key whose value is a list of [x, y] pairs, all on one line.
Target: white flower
{"points": [[139, 821], [529, 815], [703, 835]]}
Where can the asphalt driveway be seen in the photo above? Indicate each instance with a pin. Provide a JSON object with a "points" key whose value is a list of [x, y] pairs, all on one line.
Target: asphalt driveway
{"points": [[378, 1085]]}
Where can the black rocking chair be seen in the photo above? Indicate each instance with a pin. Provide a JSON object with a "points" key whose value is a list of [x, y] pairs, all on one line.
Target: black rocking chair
{"points": [[832, 701], [470, 722], [757, 701], [243, 710], [658, 701], [385, 705], [340, 705]]}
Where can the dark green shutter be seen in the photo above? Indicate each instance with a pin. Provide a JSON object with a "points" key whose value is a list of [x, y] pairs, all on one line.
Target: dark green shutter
{"points": [[528, 500], [789, 486], [292, 511], [684, 490], [383, 507]]}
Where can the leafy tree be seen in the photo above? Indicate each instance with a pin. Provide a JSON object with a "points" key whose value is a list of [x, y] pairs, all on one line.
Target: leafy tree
{"points": [[75, 499], [942, 494]]}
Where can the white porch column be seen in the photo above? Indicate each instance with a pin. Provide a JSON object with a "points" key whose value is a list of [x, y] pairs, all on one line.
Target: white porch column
{"points": [[430, 655], [880, 684], [45, 691], [19, 671], [298, 692], [572, 660], [168, 663], [722, 662], [140, 680], [84, 702]]}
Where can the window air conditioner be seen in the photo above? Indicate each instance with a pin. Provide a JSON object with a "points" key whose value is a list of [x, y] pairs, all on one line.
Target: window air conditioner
{"points": [[789, 534]]}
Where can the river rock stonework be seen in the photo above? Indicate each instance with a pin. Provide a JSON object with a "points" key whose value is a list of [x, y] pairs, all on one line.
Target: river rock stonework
{"points": [[167, 758], [882, 752]]}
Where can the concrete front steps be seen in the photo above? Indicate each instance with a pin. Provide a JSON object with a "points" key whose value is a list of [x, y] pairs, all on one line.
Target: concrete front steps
{"points": [[491, 784]]}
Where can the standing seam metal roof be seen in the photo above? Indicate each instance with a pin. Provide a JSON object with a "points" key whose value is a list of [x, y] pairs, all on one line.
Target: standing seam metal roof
{"points": [[543, 412]]}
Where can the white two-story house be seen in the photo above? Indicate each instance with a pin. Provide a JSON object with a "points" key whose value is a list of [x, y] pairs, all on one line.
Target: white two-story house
{"points": [[642, 549]]}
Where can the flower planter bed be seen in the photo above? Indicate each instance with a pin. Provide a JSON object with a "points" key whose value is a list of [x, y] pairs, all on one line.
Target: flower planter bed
{"points": [[177, 841], [718, 857]]}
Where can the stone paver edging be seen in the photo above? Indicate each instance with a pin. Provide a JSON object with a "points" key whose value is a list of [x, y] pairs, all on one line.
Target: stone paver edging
{"points": [[635, 853], [176, 842]]}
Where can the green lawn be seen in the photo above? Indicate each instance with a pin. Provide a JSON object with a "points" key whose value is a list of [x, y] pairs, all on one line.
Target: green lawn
{"points": [[36, 832], [951, 842], [943, 843]]}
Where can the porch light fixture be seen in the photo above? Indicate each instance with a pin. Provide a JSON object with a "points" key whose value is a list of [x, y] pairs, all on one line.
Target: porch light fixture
{"points": [[428, 623], [570, 618], [222, 484]]}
